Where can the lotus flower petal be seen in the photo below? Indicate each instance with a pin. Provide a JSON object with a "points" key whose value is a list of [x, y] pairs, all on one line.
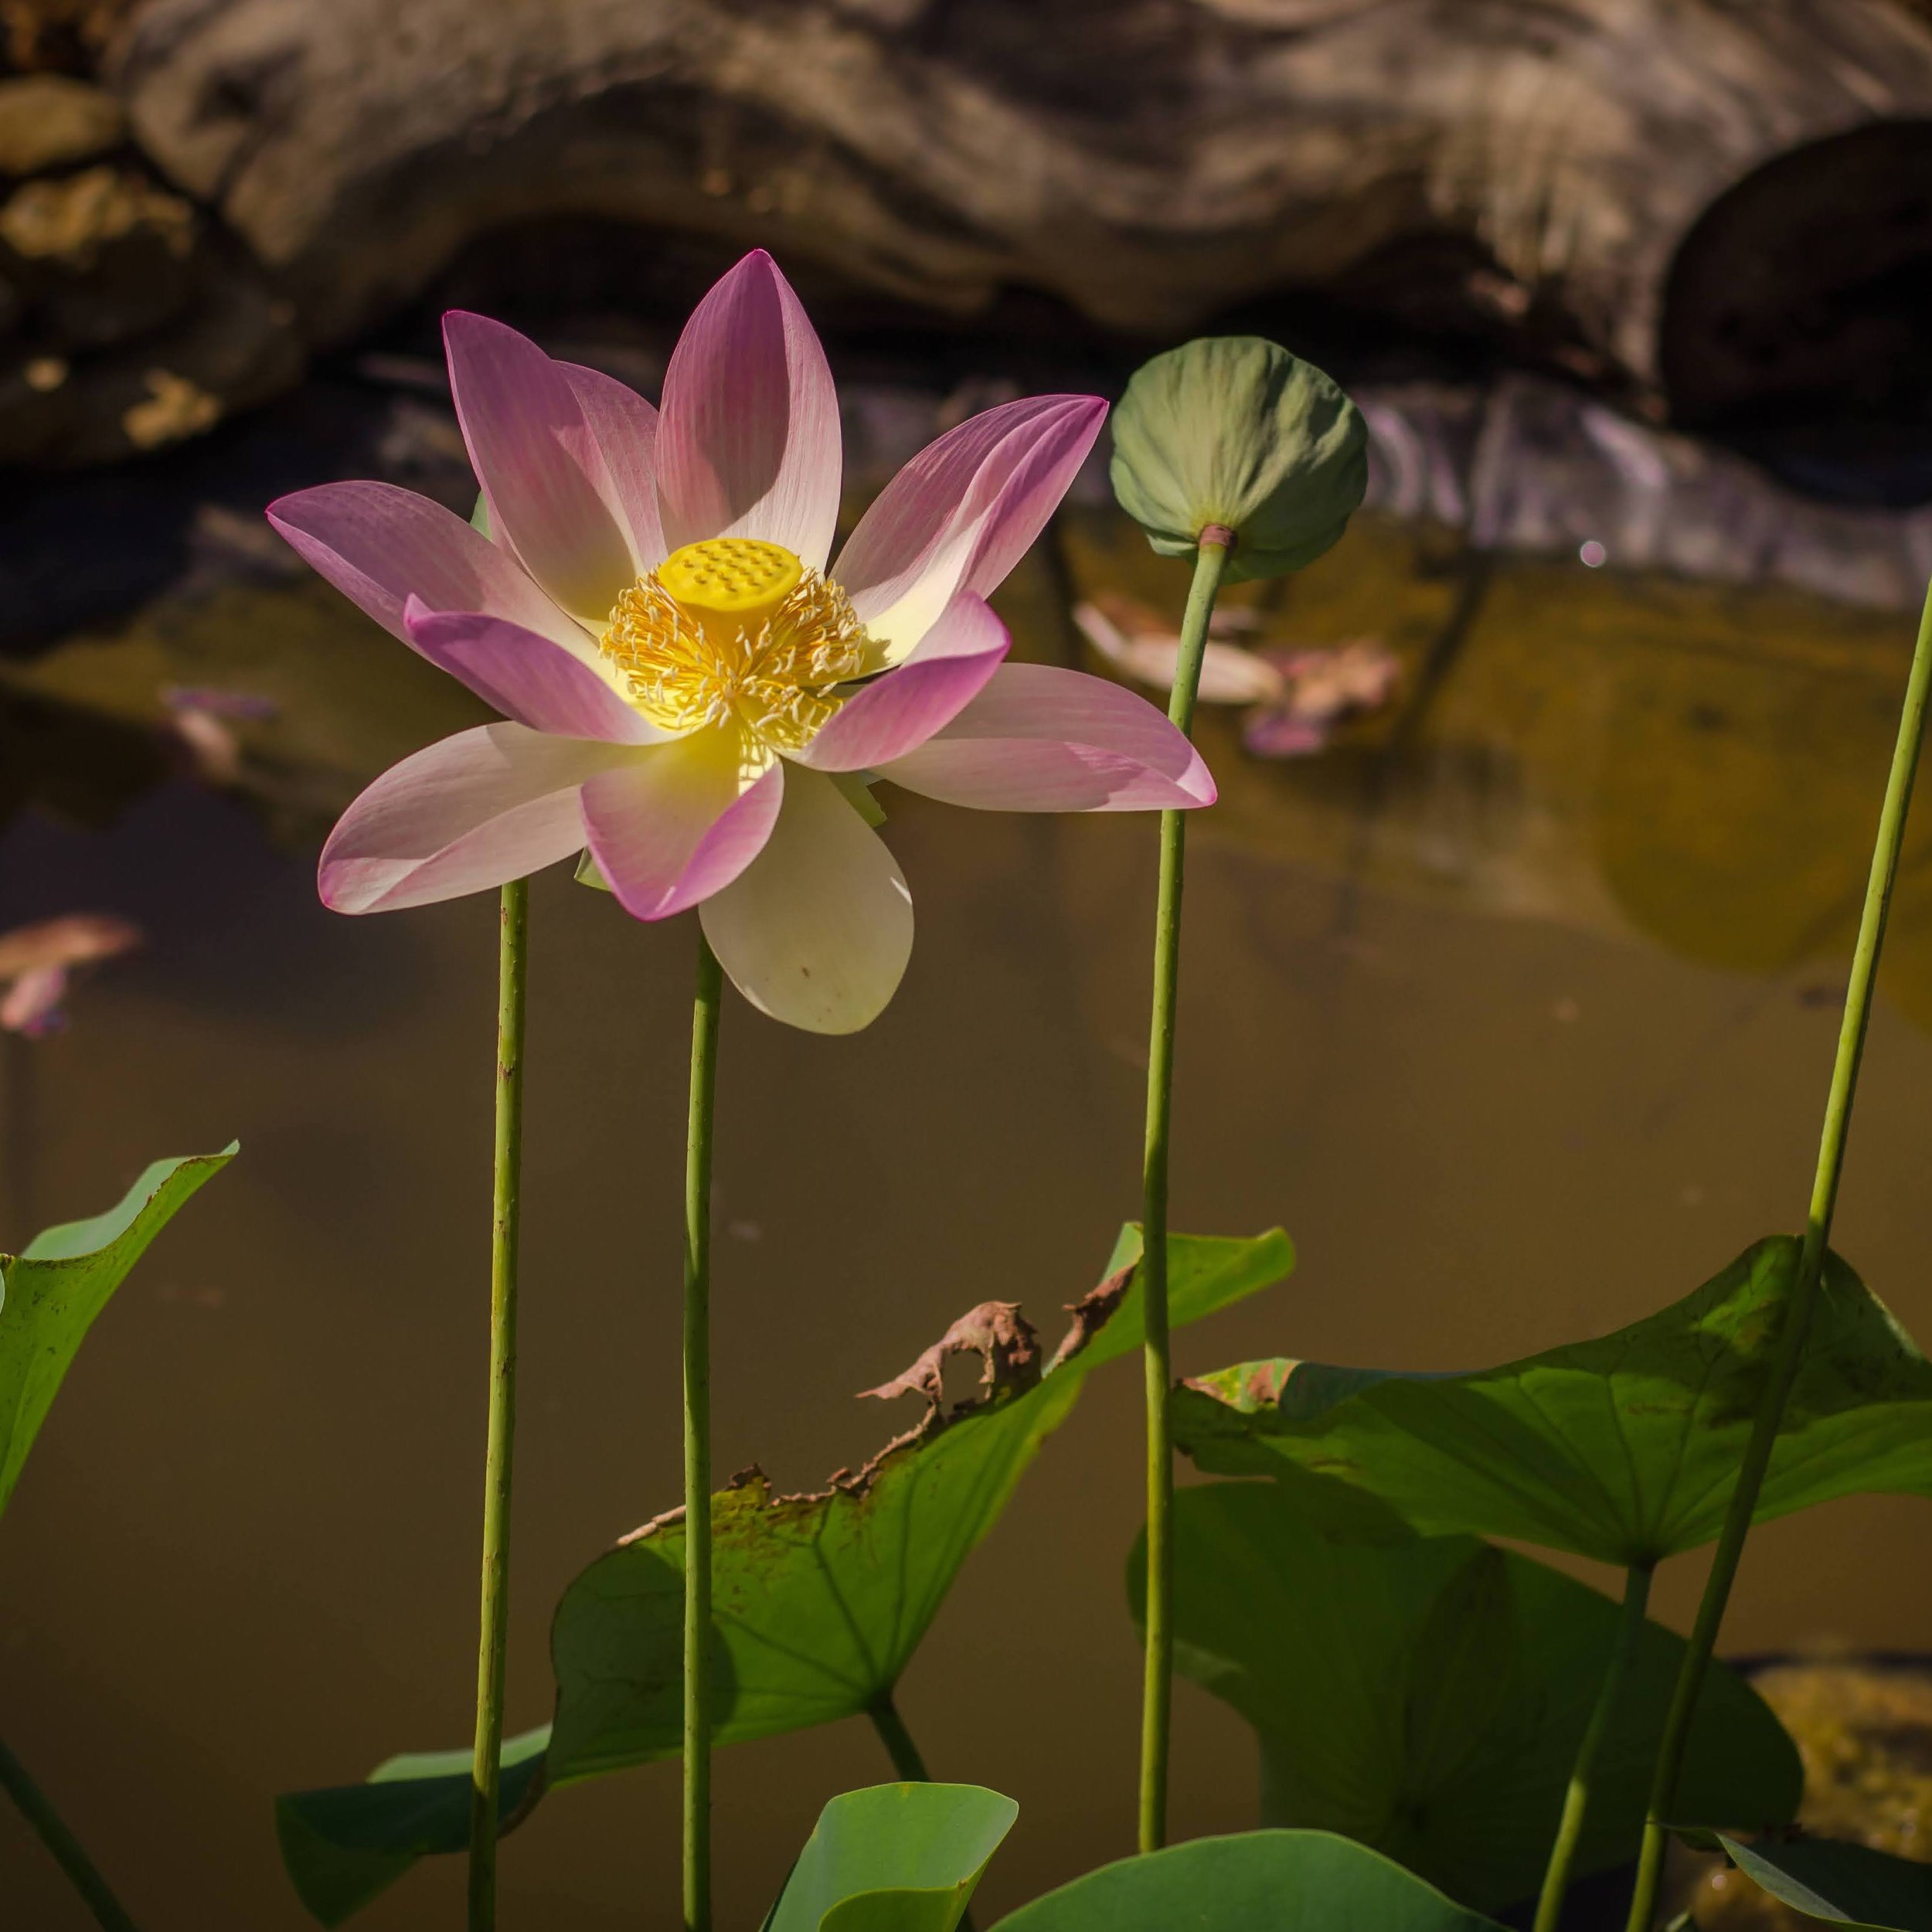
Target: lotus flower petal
{"points": [[379, 545], [540, 462], [473, 811], [817, 930], [1041, 739], [672, 827], [898, 712], [962, 513], [530, 680], [626, 429], [748, 441]]}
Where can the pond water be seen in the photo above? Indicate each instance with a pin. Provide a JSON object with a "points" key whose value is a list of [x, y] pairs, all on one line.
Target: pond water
{"points": [[1516, 1007]]}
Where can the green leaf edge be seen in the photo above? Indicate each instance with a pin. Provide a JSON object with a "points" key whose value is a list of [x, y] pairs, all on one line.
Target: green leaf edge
{"points": [[157, 1195], [1793, 1892]]}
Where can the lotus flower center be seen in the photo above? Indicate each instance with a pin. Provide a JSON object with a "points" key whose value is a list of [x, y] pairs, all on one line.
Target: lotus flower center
{"points": [[736, 632], [738, 579]]}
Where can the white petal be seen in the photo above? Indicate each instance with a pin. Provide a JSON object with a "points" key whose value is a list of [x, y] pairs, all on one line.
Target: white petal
{"points": [[817, 931]]}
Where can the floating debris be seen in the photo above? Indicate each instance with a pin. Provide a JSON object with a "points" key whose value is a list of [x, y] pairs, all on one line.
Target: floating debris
{"points": [[1295, 697], [37, 961], [203, 721]]}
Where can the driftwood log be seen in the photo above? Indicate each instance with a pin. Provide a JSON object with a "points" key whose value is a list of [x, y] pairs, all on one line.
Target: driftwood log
{"points": [[1713, 210], [1719, 200]]}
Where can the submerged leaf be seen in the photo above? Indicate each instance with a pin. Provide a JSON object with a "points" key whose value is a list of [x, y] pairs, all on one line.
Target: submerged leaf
{"points": [[1259, 1882], [1625, 1448], [819, 1600], [1844, 1884], [895, 1857], [1427, 1695], [50, 1295]]}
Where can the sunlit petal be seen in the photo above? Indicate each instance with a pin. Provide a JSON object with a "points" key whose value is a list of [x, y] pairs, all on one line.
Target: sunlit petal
{"points": [[675, 825], [530, 680], [539, 460], [471, 812], [626, 429], [817, 930], [379, 545], [962, 513], [898, 712], [1041, 739], [748, 441]]}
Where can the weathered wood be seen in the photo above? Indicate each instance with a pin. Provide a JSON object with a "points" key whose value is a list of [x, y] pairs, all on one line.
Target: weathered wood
{"points": [[1150, 161]]}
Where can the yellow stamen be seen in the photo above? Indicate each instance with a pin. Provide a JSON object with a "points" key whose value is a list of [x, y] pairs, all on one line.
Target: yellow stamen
{"points": [[735, 630]]}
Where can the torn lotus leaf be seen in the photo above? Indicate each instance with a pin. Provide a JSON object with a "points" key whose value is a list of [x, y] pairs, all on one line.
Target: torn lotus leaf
{"points": [[997, 1332]]}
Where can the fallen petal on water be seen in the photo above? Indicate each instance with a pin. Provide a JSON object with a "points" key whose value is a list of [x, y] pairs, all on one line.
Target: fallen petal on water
{"points": [[32, 1004], [1132, 639], [35, 961], [1322, 687]]}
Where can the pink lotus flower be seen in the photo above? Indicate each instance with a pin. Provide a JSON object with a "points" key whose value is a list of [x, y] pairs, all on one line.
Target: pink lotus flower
{"points": [[689, 693]]}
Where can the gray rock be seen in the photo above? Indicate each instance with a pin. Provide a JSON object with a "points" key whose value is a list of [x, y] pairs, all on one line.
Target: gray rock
{"points": [[1533, 468]]}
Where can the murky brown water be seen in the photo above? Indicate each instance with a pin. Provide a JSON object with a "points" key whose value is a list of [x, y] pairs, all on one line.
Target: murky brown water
{"points": [[1518, 1015]]}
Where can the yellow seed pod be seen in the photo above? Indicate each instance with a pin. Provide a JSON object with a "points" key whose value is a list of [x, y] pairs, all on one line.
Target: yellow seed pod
{"points": [[740, 578]]}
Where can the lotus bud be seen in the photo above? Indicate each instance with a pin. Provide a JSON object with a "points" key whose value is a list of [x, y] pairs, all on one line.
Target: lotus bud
{"points": [[1233, 431]]}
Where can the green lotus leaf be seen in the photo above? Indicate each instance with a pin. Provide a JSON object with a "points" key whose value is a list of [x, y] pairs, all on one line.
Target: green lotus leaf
{"points": [[1259, 1881], [1234, 430], [1625, 1448], [896, 1857], [1425, 1696], [343, 1846], [50, 1294], [819, 1600], [1851, 1885]]}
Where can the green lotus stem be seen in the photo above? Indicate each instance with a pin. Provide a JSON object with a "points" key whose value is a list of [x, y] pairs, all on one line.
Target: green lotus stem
{"points": [[51, 1828], [904, 1753], [898, 1741], [1789, 1346], [697, 1443], [1569, 1828], [513, 920], [1157, 1701]]}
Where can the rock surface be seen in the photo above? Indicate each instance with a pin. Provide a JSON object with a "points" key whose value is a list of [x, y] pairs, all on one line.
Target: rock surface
{"points": [[129, 318], [1149, 162]]}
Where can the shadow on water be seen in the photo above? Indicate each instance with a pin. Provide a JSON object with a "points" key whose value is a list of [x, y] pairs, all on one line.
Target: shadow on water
{"points": [[1515, 1006]]}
